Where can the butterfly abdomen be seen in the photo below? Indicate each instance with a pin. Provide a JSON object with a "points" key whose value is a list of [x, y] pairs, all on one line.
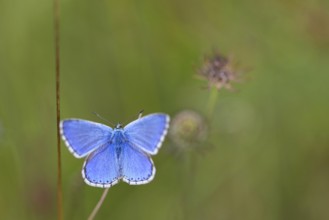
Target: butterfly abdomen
{"points": [[118, 140]]}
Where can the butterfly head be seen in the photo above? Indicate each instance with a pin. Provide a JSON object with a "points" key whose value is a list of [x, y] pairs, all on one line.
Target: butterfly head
{"points": [[119, 126]]}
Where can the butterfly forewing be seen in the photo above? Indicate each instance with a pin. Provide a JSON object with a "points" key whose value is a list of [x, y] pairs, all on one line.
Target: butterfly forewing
{"points": [[82, 137], [147, 133]]}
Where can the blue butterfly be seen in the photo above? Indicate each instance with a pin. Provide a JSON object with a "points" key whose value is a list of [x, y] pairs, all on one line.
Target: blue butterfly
{"points": [[122, 153]]}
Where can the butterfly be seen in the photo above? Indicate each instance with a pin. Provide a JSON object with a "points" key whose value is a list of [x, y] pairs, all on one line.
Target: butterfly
{"points": [[115, 154]]}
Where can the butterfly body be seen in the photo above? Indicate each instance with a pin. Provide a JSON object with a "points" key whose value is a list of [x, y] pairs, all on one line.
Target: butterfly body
{"points": [[122, 153]]}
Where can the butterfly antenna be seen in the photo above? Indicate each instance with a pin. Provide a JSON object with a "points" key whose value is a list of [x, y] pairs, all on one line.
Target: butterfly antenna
{"points": [[140, 113], [95, 113]]}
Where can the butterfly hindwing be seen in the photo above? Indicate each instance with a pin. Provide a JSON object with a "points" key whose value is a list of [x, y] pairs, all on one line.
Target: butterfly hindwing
{"points": [[136, 166], [101, 169], [147, 133], [82, 136]]}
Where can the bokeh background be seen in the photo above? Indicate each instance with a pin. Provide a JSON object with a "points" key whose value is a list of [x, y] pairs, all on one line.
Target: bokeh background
{"points": [[266, 155]]}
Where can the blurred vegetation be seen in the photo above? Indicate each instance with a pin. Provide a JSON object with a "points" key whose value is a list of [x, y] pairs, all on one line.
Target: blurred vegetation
{"points": [[267, 149]]}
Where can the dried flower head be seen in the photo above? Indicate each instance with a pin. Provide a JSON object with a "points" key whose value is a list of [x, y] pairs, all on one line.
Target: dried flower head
{"points": [[188, 130], [218, 71]]}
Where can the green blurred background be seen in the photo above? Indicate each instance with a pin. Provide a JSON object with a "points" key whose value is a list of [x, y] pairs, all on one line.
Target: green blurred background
{"points": [[267, 153]]}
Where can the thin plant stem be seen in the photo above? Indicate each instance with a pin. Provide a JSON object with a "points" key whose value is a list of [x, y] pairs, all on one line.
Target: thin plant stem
{"points": [[212, 102], [99, 204], [190, 165], [186, 186], [58, 115]]}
